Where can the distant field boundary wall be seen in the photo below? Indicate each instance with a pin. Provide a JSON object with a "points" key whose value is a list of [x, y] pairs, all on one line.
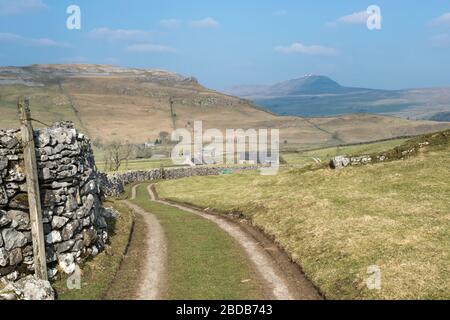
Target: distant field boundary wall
{"points": [[406, 150], [114, 184], [332, 146]]}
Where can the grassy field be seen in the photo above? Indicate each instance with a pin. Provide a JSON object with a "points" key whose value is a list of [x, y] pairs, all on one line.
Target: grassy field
{"points": [[337, 223], [203, 262], [292, 158], [138, 164], [99, 273], [47, 104], [128, 277], [306, 157]]}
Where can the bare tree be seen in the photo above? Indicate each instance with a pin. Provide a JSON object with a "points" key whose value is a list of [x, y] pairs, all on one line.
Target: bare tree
{"points": [[116, 153]]}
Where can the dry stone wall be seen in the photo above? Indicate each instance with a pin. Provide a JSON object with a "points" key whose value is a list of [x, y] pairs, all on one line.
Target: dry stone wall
{"points": [[404, 151], [113, 184], [74, 220]]}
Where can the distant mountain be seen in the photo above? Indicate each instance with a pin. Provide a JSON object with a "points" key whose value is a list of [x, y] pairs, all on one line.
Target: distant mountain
{"points": [[309, 84], [306, 85], [315, 95]]}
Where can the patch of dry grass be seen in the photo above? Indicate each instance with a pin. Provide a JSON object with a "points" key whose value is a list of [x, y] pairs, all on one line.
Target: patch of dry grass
{"points": [[127, 280], [336, 224]]}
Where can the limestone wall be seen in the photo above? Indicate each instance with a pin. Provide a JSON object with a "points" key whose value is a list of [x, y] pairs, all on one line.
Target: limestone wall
{"points": [[74, 220], [113, 184], [401, 152]]}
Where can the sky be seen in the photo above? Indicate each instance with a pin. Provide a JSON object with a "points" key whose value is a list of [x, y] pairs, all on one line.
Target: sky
{"points": [[229, 42]]}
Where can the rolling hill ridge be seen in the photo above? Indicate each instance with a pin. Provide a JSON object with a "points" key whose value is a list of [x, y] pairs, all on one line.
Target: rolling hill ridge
{"points": [[113, 103]]}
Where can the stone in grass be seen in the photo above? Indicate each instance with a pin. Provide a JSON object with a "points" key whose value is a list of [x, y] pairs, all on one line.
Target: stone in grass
{"points": [[94, 251], [28, 288], [339, 162]]}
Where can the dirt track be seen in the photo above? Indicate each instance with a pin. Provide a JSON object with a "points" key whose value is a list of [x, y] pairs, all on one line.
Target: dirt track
{"points": [[283, 278], [153, 285]]}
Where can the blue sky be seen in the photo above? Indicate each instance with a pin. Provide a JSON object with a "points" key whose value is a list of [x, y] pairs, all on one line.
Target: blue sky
{"points": [[226, 43]]}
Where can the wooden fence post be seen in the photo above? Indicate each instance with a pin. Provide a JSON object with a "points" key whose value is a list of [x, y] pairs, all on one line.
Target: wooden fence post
{"points": [[34, 197]]}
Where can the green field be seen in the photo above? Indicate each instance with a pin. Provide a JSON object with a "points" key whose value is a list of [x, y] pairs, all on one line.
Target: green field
{"points": [[47, 104], [338, 223], [291, 158], [204, 262], [138, 164]]}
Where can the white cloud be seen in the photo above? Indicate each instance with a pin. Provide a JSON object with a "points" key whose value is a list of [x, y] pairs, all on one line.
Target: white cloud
{"points": [[170, 23], [120, 34], [441, 40], [14, 7], [7, 37], [42, 42], [443, 20], [205, 23], [49, 43], [354, 18], [315, 50], [150, 48]]}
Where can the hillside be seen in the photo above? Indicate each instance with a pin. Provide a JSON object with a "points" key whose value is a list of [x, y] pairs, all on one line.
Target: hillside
{"points": [[313, 95], [336, 224], [113, 103]]}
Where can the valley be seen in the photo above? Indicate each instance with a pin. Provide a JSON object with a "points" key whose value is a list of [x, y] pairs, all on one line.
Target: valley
{"points": [[112, 103]]}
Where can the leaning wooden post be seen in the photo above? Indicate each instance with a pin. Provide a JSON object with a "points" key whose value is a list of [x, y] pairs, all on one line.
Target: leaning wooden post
{"points": [[34, 197]]}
